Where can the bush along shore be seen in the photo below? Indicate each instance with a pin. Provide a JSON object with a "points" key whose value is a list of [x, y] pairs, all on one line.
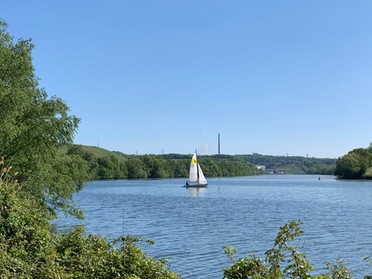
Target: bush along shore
{"points": [[356, 164]]}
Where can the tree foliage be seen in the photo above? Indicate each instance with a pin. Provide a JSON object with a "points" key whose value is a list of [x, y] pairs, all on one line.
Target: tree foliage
{"points": [[297, 264], [33, 127], [177, 165], [354, 164], [282, 261], [29, 249], [159, 166]]}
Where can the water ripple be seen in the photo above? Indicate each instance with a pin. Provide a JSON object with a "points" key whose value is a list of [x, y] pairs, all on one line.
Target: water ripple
{"points": [[190, 228]]}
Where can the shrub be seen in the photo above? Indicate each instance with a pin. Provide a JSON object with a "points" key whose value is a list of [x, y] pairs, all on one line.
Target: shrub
{"points": [[29, 249], [282, 261]]}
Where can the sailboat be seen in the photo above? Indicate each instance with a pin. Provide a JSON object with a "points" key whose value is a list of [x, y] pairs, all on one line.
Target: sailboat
{"points": [[196, 176]]}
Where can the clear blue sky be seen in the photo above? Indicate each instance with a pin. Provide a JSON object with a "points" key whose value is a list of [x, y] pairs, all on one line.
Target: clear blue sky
{"points": [[272, 77]]}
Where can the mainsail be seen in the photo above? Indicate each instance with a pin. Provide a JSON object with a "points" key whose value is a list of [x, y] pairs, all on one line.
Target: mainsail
{"points": [[193, 176]]}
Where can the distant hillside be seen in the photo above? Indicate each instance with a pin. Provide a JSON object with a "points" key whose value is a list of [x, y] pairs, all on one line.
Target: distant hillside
{"points": [[292, 164], [104, 164], [101, 152]]}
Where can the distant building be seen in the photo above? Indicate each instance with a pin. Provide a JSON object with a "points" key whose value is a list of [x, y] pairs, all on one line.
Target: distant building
{"points": [[279, 171], [261, 167]]}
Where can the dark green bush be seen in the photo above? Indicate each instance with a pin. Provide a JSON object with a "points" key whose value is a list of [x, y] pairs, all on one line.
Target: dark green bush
{"points": [[29, 249]]}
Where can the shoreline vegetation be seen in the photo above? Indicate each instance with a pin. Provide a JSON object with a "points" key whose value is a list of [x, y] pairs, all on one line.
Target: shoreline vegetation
{"points": [[38, 177], [105, 164], [356, 164]]}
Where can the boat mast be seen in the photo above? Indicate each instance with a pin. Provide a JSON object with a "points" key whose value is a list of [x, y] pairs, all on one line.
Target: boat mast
{"points": [[197, 166]]}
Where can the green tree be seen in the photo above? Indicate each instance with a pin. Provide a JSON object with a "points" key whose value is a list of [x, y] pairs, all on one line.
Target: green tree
{"points": [[211, 167], [24, 230], [282, 261], [33, 127], [156, 166], [370, 147], [178, 167], [109, 167], [136, 168], [354, 164], [298, 265], [88, 157], [29, 249]]}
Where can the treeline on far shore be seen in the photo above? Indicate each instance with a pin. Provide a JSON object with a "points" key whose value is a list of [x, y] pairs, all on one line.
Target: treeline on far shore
{"points": [[104, 164], [356, 164], [292, 164]]}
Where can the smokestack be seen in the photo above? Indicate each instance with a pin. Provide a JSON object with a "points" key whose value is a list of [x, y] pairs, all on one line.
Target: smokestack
{"points": [[219, 144]]}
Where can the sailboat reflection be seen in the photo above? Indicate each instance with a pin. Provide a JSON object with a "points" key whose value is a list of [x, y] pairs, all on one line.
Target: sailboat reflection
{"points": [[195, 192]]}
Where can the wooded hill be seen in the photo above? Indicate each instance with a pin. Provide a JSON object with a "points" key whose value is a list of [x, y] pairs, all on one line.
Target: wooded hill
{"points": [[104, 164], [356, 164], [292, 164]]}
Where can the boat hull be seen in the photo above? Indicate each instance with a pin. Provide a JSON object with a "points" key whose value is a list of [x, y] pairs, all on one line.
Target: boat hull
{"points": [[196, 185]]}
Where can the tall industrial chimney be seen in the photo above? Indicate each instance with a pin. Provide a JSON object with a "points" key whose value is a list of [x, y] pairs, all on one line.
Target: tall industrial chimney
{"points": [[219, 144]]}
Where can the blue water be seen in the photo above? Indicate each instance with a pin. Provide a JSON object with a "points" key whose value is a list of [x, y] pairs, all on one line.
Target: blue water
{"points": [[191, 227]]}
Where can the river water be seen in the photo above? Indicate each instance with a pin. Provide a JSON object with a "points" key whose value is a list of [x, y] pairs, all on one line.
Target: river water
{"points": [[191, 227]]}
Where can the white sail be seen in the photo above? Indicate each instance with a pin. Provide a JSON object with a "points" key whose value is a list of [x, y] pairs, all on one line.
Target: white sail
{"points": [[196, 176], [193, 176], [202, 179]]}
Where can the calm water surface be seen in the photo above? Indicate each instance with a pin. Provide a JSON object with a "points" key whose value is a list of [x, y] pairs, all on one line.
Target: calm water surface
{"points": [[191, 227]]}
